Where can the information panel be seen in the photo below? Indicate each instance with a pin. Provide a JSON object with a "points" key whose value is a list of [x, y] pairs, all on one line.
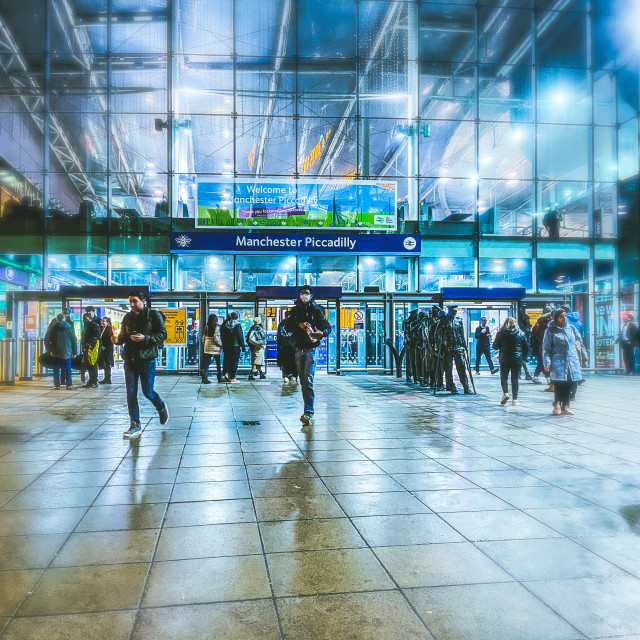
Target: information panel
{"points": [[298, 204], [176, 325]]}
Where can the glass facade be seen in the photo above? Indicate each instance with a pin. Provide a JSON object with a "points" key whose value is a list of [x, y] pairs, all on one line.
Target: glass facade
{"points": [[507, 127]]}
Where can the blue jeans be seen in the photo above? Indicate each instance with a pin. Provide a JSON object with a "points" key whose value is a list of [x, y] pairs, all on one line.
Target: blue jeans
{"points": [[65, 366], [208, 357], [146, 373], [306, 364]]}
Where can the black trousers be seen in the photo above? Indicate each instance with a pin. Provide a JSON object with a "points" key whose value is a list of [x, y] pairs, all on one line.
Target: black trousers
{"points": [[540, 367], [628, 357], [230, 362], [484, 350], [562, 392], [512, 370], [458, 358]]}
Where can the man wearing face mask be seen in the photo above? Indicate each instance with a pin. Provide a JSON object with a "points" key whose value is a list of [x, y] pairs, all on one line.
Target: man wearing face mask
{"points": [[308, 323]]}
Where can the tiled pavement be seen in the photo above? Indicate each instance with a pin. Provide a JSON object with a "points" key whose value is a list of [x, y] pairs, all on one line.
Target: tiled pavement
{"points": [[397, 515]]}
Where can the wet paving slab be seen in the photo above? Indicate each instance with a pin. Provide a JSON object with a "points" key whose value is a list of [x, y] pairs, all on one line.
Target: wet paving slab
{"points": [[395, 514]]}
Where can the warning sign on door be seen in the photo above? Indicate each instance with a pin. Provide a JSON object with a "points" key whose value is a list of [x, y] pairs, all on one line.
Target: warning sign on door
{"points": [[176, 325]]}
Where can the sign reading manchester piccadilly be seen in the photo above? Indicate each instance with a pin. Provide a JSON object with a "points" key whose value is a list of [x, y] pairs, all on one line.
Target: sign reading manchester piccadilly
{"points": [[299, 243], [298, 204]]}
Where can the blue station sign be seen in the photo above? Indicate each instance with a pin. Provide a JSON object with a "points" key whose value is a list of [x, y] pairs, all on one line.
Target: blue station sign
{"points": [[314, 243]]}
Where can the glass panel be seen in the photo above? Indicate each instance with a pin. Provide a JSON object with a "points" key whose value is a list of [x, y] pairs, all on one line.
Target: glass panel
{"points": [[446, 272], [76, 270], [562, 38], [139, 85], [447, 91], [383, 148], [207, 31], [561, 275], [451, 205], [145, 145], [505, 93], [328, 28], [506, 207], [316, 136], [563, 96], [497, 36], [604, 198], [209, 149], [447, 32], [139, 270], [506, 151], [139, 36], [136, 196], [353, 339], [270, 141], [382, 29], [266, 86], [389, 274], [570, 203], [563, 152], [499, 272], [328, 271], [604, 164], [628, 149], [203, 273], [449, 151], [252, 271], [205, 84], [604, 98], [260, 33]]}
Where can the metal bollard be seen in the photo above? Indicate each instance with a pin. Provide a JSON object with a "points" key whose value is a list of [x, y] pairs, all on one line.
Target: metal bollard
{"points": [[39, 370], [25, 359], [7, 371]]}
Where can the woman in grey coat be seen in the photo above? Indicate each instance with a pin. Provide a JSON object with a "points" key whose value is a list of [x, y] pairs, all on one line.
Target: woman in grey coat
{"points": [[561, 351]]}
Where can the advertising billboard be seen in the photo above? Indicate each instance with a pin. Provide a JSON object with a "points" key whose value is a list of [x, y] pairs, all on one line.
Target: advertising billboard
{"points": [[298, 204]]}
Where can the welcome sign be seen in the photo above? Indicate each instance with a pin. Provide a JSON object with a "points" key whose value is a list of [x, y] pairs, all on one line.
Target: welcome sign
{"points": [[298, 204]]}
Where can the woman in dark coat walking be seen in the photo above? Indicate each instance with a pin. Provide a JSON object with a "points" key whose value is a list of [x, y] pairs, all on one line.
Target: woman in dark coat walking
{"points": [[286, 351], [105, 354], [511, 342]]}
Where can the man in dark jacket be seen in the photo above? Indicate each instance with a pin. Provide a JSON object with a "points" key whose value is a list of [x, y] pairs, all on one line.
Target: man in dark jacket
{"points": [[511, 342], [60, 341], [90, 335], [308, 323], [628, 340], [142, 333], [232, 343], [483, 345], [537, 335]]}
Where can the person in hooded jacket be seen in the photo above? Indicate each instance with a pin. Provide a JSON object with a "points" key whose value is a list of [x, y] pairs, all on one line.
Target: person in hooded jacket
{"points": [[286, 351], [257, 341], [561, 349], [106, 359], [232, 344], [60, 341], [511, 342], [308, 324]]}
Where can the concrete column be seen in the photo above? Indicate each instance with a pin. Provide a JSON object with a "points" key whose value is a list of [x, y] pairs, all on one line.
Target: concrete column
{"points": [[413, 77]]}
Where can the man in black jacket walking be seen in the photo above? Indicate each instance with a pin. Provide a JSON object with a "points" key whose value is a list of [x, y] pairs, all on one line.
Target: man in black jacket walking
{"points": [[308, 323], [232, 343], [90, 335], [483, 345], [142, 332]]}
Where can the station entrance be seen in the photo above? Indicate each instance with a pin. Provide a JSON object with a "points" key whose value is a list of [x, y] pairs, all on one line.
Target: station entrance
{"points": [[363, 323]]}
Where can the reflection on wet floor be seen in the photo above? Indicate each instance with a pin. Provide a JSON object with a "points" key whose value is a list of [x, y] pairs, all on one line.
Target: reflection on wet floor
{"points": [[394, 515]]}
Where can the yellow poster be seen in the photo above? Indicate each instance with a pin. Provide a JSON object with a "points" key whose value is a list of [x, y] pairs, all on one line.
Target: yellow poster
{"points": [[176, 325]]}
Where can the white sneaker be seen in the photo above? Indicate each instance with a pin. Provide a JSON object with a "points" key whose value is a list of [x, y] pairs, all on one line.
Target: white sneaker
{"points": [[568, 412], [557, 411], [505, 397], [514, 403]]}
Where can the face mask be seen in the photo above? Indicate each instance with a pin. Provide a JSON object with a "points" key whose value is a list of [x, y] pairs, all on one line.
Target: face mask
{"points": [[305, 297]]}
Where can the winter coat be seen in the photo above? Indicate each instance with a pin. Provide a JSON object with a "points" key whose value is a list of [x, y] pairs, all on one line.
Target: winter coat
{"points": [[483, 336], [309, 312], [231, 335], [148, 322], [90, 333], [60, 340], [212, 343], [105, 354], [560, 349], [538, 331], [628, 335], [257, 336], [286, 351], [573, 318], [512, 345]]}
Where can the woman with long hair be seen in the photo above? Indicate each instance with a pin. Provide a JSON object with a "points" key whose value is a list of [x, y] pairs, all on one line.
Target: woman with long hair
{"points": [[105, 353], [511, 342], [212, 348]]}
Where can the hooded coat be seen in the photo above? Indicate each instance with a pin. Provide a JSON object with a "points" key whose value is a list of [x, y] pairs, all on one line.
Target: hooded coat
{"points": [[573, 318], [560, 349], [61, 341], [309, 312], [231, 334], [512, 344]]}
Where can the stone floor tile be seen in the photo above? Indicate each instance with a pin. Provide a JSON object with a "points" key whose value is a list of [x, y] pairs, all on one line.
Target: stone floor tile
{"points": [[112, 625], [584, 521], [29, 552], [361, 484], [107, 547], [14, 586], [187, 514], [274, 471], [380, 504], [539, 497], [288, 488], [411, 529], [622, 550], [201, 491], [134, 494], [225, 620], [303, 507], [488, 612], [211, 474], [327, 571], [209, 541], [352, 616], [309, 535], [52, 498], [603, 606], [83, 589], [451, 500], [432, 481], [123, 516], [547, 559], [40, 521], [206, 580]]}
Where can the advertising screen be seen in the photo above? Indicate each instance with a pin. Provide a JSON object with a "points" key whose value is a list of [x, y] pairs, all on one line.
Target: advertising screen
{"points": [[298, 204]]}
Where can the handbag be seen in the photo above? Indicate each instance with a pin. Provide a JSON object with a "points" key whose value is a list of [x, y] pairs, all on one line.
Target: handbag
{"points": [[46, 360], [92, 354]]}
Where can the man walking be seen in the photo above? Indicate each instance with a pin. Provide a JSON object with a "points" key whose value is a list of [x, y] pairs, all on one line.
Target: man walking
{"points": [[308, 323], [232, 343], [61, 343], [142, 333], [483, 345]]}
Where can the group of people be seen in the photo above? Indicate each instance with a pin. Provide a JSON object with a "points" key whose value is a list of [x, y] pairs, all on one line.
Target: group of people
{"points": [[96, 349], [299, 335]]}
